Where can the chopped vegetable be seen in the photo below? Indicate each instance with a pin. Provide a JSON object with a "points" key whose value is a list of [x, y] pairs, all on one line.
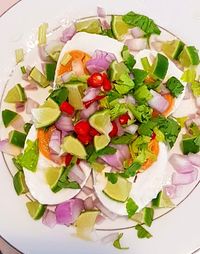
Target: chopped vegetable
{"points": [[42, 34], [16, 94], [124, 84], [39, 78], [142, 94], [142, 232], [129, 59], [139, 76], [50, 69], [17, 138], [59, 95], [117, 243], [131, 207], [174, 86], [142, 112], [124, 139], [19, 55], [19, 183], [148, 215], [8, 116]]}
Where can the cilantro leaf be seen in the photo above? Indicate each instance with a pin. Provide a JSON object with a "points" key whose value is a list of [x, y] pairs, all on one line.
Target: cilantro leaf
{"points": [[117, 243], [143, 22], [113, 95], [142, 232], [131, 170], [68, 185], [175, 86], [105, 151], [142, 94], [124, 84], [124, 139], [142, 112], [59, 95], [139, 76], [131, 207], [112, 177], [129, 59], [117, 110]]}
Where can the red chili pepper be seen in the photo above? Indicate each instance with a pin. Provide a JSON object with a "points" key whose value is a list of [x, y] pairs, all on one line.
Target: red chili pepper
{"points": [[153, 136], [95, 80], [67, 108], [114, 130], [82, 128], [123, 119], [78, 161], [94, 132], [68, 159], [97, 98], [107, 86], [85, 139]]}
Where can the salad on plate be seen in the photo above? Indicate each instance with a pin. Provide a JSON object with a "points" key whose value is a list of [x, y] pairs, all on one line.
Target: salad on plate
{"points": [[95, 125]]}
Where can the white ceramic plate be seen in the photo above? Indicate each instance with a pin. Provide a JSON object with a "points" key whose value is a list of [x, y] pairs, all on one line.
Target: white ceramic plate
{"points": [[178, 232]]}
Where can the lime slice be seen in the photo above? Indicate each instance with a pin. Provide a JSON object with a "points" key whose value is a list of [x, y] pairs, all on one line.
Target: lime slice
{"points": [[17, 138], [116, 70], [8, 116], [160, 66], [85, 224], [15, 94], [46, 114], [118, 191], [100, 142], [52, 177], [74, 146], [119, 27], [35, 209], [101, 122], [19, 183], [92, 26], [74, 96], [173, 48], [162, 201], [189, 56]]}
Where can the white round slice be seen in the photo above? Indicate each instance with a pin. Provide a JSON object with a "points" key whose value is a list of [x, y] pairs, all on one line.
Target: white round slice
{"points": [[36, 181], [146, 187], [172, 71]]}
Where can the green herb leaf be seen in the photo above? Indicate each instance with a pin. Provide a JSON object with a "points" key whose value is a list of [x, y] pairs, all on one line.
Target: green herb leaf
{"points": [[131, 207], [146, 24], [112, 95], [124, 139], [59, 95], [142, 232], [108, 32], [68, 185], [112, 177], [50, 69], [117, 243], [148, 216], [131, 170], [124, 84], [129, 59], [139, 76], [175, 86], [142, 94], [27, 127], [118, 110], [142, 112]]}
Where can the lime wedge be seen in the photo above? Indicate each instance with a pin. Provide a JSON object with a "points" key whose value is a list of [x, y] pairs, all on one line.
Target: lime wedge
{"points": [[116, 70], [119, 27], [17, 138], [74, 96], [162, 201], [8, 116], [100, 142], [15, 94], [173, 48], [52, 177], [92, 26], [74, 146], [35, 209], [101, 122], [85, 224], [189, 56], [46, 114], [160, 66], [19, 183], [118, 191]]}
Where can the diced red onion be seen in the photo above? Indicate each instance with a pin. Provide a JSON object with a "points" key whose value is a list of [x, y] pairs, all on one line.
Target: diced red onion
{"points": [[90, 94], [89, 204], [67, 76], [136, 44], [137, 32], [100, 61], [64, 123], [56, 158], [105, 25], [101, 12], [51, 208], [87, 190], [77, 174], [30, 87], [100, 219], [25, 76], [158, 102], [18, 124], [68, 33], [129, 99], [181, 163], [131, 128], [68, 212], [55, 142], [109, 238], [49, 219], [197, 101], [31, 104], [170, 190], [184, 179], [156, 45], [124, 150], [43, 54], [87, 112], [8, 148], [104, 210], [77, 67], [120, 129], [187, 95], [19, 106], [63, 135], [194, 159]]}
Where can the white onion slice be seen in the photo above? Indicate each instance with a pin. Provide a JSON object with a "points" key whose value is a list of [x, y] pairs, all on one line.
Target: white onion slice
{"points": [[136, 44], [184, 179], [181, 163], [158, 102]]}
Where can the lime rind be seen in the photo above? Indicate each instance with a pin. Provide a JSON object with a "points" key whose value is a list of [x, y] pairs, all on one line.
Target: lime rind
{"points": [[8, 116], [189, 56], [35, 209], [19, 183], [16, 94], [74, 146], [173, 48], [52, 177], [160, 66], [90, 26]]}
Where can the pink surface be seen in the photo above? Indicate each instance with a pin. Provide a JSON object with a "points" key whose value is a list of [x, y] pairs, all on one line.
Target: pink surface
{"points": [[6, 4]]}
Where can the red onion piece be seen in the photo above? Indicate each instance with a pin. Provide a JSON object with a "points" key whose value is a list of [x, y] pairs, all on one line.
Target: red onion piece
{"points": [[77, 174], [170, 190], [104, 210], [187, 95], [184, 179], [194, 159], [68, 33], [43, 54], [30, 87], [100, 61], [19, 106], [56, 158], [64, 123], [109, 238], [137, 32], [67, 76], [77, 67], [31, 104], [68, 212], [131, 128], [101, 12], [90, 94], [8, 148], [100, 219], [87, 190], [197, 101], [55, 142], [120, 129], [87, 112], [49, 219], [181, 163], [156, 45], [136, 44], [158, 102], [18, 124], [25, 76], [89, 204], [105, 25]]}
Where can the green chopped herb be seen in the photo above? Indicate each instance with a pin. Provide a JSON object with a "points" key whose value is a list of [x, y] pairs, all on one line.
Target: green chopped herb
{"points": [[108, 32], [131, 207], [142, 112], [129, 59], [19, 55], [23, 70], [142, 94], [124, 139], [113, 95], [175, 86], [112, 177], [27, 127], [142, 232], [131, 170], [124, 84], [50, 69], [148, 216], [59, 95], [118, 110], [117, 243], [139, 76], [93, 155]]}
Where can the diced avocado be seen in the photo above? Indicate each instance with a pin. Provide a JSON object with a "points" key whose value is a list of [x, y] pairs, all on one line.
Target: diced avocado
{"points": [[162, 201], [17, 138], [188, 144], [38, 77]]}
